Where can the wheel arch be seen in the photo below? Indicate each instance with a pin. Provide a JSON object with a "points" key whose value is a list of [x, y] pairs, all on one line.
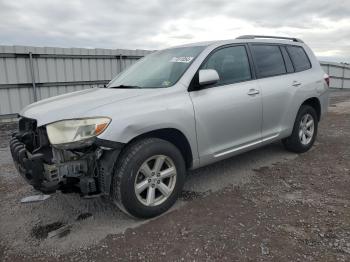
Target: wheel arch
{"points": [[174, 136], [314, 102]]}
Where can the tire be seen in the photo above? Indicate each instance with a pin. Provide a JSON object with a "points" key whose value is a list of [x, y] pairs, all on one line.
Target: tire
{"points": [[129, 175], [298, 144]]}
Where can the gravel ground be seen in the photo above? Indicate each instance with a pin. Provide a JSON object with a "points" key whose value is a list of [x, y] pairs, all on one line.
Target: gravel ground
{"points": [[264, 205]]}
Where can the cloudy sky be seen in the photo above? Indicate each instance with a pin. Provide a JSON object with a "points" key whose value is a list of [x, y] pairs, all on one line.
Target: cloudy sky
{"points": [[155, 24]]}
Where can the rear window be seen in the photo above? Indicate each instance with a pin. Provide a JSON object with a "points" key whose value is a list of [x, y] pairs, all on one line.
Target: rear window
{"points": [[299, 58], [268, 60]]}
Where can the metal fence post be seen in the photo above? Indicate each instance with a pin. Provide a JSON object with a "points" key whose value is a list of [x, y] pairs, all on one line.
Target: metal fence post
{"points": [[121, 62], [31, 65], [343, 78]]}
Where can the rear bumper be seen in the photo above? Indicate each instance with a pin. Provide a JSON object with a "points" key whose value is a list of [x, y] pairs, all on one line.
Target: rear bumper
{"points": [[324, 101], [30, 166]]}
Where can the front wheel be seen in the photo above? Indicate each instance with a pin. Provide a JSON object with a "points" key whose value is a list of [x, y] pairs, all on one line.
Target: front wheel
{"points": [[149, 176], [304, 131]]}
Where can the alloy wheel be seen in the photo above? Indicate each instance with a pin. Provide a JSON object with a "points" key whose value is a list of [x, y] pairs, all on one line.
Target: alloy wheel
{"points": [[306, 129], [155, 180]]}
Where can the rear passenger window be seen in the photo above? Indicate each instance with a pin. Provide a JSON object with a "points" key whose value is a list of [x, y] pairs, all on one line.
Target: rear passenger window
{"points": [[268, 60], [231, 63], [300, 60]]}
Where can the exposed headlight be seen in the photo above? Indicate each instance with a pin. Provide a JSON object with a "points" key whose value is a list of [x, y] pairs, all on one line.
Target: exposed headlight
{"points": [[76, 130]]}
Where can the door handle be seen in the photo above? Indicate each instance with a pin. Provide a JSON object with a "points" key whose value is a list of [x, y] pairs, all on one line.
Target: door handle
{"points": [[296, 83], [253, 92]]}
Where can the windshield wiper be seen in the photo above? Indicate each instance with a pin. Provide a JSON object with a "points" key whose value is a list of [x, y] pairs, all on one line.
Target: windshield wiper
{"points": [[125, 86]]}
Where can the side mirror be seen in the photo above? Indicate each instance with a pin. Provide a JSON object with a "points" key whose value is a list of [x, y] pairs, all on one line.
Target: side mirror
{"points": [[208, 76]]}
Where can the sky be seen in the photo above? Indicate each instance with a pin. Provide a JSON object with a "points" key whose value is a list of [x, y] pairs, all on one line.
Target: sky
{"points": [[155, 24]]}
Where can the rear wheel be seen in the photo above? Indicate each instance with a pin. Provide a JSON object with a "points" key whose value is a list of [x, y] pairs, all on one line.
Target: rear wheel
{"points": [[148, 178], [304, 130]]}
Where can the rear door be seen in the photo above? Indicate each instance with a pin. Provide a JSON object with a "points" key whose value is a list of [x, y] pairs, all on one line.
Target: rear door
{"points": [[276, 83], [228, 114]]}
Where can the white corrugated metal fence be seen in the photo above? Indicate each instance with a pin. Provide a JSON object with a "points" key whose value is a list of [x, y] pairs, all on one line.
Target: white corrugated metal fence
{"points": [[28, 74], [339, 74]]}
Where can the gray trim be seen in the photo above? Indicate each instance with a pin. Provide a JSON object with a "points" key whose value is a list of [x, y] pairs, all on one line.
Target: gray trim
{"points": [[7, 116], [339, 77], [26, 55], [49, 84], [346, 66]]}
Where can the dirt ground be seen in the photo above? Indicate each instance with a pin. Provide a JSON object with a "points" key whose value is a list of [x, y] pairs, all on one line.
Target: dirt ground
{"points": [[265, 205]]}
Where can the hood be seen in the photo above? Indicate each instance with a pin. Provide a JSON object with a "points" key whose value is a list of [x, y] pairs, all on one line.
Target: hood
{"points": [[78, 104]]}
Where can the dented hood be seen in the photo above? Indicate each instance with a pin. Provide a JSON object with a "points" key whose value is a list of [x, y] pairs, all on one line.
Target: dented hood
{"points": [[78, 104]]}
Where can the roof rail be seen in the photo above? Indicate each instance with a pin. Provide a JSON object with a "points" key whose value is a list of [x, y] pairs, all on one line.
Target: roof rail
{"points": [[268, 36]]}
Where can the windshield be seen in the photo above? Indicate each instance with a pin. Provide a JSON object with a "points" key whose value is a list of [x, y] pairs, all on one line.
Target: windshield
{"points": [[157, 70]]}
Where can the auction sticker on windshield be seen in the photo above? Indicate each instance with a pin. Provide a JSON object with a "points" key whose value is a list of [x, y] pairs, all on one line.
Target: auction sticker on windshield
{"points": [[181, 59]]}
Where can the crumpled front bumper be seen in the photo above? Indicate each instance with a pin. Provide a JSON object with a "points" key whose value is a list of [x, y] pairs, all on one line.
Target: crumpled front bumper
{"points": [[91, 172], [30, 166]]}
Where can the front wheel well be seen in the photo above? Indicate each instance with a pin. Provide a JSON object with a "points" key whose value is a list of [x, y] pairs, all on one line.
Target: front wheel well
{"points": [[173, 136], [315, 104]]}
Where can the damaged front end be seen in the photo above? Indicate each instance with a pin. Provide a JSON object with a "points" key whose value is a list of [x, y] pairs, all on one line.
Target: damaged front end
{"points": [[86, 168]]}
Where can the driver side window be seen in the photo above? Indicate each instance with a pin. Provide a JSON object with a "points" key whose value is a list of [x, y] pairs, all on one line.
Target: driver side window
{"points": [[231, 63]]}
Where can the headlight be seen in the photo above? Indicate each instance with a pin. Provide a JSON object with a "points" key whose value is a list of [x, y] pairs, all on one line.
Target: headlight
{"points": [[75, 130]]}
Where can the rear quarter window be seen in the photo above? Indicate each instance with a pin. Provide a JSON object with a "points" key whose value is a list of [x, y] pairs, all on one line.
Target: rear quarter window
{"points": [[299, 58]]}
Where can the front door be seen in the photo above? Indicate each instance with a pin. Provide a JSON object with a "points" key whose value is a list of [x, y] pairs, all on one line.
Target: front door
{"points": [[229, 113]]}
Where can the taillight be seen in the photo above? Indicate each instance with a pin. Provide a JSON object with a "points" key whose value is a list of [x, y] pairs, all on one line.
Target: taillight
{"points": [[326, 78]]}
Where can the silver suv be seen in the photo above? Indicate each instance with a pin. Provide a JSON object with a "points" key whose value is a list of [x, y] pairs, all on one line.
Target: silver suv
{"points": [[176, 109]]}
